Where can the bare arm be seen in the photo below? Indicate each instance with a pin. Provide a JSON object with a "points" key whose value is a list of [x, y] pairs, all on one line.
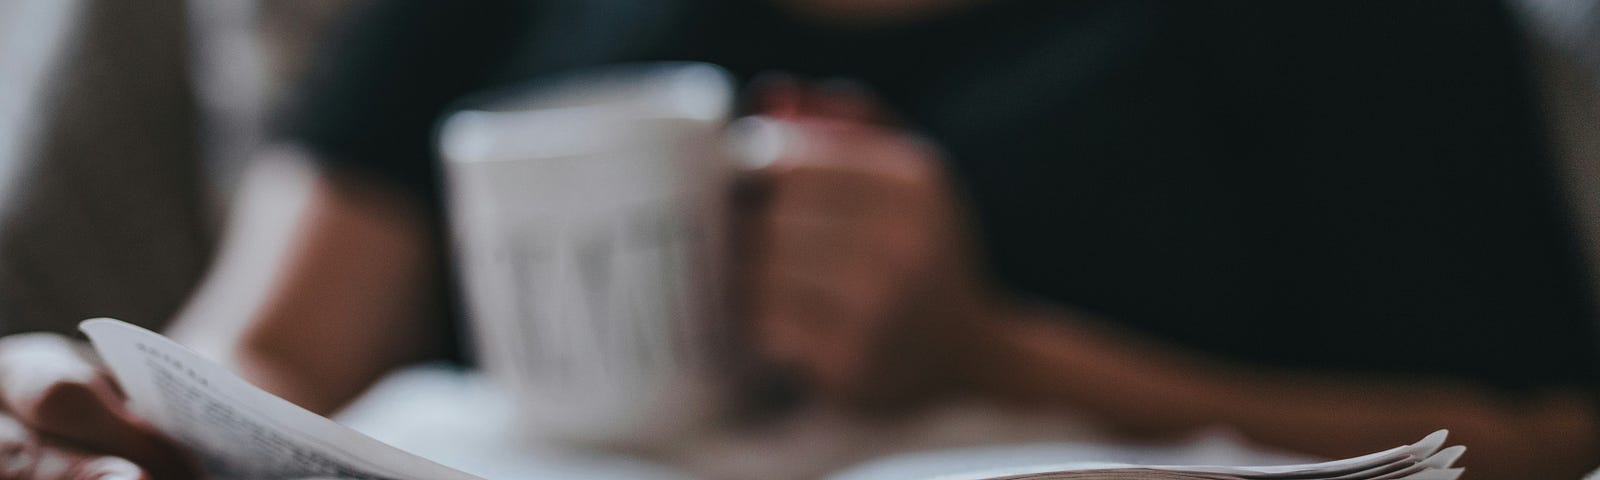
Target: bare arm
{"points": [[1050, 359], [880, 301], [324, 283]]}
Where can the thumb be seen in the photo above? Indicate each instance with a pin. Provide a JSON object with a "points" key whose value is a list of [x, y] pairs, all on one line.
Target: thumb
{"points": [[25, 456], [52, 385]]}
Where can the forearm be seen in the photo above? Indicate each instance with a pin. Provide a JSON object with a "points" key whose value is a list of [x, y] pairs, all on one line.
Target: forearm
{"points": [[323, 285], [1145, 387], [261, 227]]}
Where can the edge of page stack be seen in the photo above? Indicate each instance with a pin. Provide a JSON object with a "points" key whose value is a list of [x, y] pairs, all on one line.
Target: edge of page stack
{"points": [[239, 431]]}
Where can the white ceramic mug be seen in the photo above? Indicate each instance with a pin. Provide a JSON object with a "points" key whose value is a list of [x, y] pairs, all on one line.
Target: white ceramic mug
{"points": [[588, 216]]}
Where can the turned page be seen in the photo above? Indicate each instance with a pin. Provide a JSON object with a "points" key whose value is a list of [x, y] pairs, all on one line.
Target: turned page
{"points": [[240, 431]]}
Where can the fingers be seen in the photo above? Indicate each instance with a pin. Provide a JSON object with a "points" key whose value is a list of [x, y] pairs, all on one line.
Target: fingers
{"points": [[52, 385], [870, 198], [851, 223], [851, 100], [25, 456], [49, 383], [848, 224], [778, 95], [785, 97]]}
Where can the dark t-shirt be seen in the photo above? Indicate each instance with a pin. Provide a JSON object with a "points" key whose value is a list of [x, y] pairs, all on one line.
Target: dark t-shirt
{"points": [[1357, 186]]}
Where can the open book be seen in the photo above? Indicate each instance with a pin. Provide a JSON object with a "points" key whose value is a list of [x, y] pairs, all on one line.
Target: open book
{"points": [[242, 432]]}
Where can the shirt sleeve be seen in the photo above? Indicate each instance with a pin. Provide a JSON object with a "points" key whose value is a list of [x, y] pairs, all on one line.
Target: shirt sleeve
{"points": [[385, 75]]}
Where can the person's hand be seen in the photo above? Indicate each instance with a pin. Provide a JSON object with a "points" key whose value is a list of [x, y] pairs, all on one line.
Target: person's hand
{"points": [[62, 418], [863, 276]]}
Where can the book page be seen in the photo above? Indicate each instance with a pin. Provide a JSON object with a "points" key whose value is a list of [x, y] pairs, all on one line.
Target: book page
{"points": [[237, 430], [1425, 460]]}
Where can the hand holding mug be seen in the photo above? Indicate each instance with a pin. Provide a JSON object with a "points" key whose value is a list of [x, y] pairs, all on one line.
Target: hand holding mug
{"points": [[863, 275]]}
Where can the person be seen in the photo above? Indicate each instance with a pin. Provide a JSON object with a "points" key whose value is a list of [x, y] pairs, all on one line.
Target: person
{"points": [[1332, 227]]}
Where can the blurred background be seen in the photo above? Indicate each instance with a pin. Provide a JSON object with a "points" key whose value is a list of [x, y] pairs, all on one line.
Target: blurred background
{"points": [[124, 127]]}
